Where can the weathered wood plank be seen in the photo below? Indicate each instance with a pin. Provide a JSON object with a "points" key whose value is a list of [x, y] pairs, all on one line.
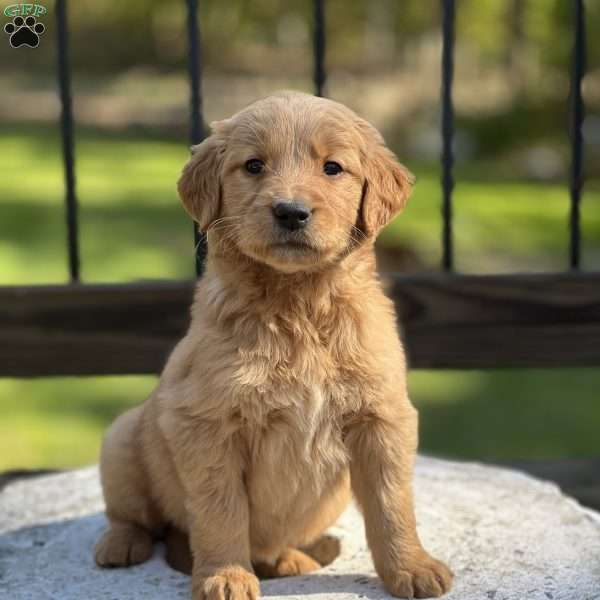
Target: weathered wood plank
{"points": [[91, 329], [501, 320], [448, 321]]}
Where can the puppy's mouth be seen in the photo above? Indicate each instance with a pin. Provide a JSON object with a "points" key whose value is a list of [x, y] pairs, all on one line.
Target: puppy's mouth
{"points": [[286, 251], [298, 245], [295, 242]]}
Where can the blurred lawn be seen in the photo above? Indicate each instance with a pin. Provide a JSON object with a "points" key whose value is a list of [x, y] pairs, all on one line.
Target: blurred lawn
{"points": [[131, 222], [132, 227]]}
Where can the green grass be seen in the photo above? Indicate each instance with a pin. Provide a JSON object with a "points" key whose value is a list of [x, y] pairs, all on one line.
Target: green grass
{"points": [[132, 227], [499, 225], [131, 222], [58, 422], [531, 413]]}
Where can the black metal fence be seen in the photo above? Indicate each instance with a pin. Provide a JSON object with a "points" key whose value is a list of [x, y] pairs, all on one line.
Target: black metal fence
{"points": [[197, 131], [449, 320]]}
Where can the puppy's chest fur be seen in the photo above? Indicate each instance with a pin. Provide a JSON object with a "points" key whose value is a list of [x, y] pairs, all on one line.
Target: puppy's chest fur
{"points": [[282, 371], [299, 451], [289, 355], [294, 380], [307, 365]]}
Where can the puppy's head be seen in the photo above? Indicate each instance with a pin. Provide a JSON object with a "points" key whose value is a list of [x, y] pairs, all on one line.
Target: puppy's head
{"points": [[293, 181]]}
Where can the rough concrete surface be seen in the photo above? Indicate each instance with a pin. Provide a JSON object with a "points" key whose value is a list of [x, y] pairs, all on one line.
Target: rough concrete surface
{"points": [[505, 535]]}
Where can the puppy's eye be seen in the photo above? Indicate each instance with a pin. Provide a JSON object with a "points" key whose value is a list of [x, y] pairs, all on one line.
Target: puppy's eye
{"points": [[332, 168], [254, 166]]}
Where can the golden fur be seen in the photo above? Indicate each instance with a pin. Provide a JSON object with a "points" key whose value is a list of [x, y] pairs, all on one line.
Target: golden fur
{"points": [[289, 388]]}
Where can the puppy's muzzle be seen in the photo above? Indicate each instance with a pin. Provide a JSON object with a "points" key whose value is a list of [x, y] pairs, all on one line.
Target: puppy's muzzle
{"points": [[292, 216]]}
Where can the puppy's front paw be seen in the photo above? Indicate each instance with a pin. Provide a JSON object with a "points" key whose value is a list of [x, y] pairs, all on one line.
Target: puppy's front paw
{"points": [[229, 583], [422, 576]]}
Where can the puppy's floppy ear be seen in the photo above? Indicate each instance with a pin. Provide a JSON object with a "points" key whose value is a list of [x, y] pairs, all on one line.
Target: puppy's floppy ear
{"points": [[387, 184], [199, 186]]}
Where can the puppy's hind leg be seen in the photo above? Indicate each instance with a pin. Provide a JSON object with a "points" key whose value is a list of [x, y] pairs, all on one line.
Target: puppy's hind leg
{"points": [[123, 545], [290, 562], [179, 553], [324, 550], [300, 561], [133, 519]]}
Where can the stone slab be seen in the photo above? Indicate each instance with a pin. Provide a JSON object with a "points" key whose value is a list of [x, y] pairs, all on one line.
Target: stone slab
{"points": [[506, 535]]}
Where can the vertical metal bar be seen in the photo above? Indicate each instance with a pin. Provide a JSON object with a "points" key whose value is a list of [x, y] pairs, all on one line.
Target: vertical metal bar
{"points": [[319, 47], [576, 113], [448, 14], [66, 123], [197, 132]]}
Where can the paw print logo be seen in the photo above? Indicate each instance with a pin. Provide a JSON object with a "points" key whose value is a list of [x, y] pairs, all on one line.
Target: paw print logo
{"points": [[24, 32]]}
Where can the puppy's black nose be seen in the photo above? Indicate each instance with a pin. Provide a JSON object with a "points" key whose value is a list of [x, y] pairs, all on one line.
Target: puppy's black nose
{"points": [[291, 215]]}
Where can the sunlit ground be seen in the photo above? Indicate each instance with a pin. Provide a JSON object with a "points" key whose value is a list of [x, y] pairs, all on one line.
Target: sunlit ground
{"points": [[132, 227]]}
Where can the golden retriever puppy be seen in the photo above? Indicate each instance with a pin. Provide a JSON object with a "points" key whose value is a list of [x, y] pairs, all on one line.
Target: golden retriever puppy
{"points": [[289, 389]]}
